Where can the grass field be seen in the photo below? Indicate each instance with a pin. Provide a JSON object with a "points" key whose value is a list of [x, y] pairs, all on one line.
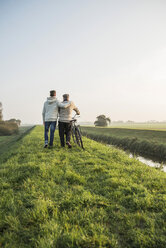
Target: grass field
{"points": [[74, 198], [8, 138], [7, 141], [135, 125], [149, 143], [145, 126]]}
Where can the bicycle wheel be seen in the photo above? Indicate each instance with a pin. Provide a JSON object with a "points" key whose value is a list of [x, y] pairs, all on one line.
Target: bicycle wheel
{"points": [[78, 137], [73, 135]]}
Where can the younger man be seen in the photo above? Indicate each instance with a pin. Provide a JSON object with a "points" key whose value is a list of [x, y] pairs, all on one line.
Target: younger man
{"points": [[50, 114]]}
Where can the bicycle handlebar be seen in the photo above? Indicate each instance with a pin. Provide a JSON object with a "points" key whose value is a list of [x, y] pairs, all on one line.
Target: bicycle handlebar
{"points": [[74, 117]]}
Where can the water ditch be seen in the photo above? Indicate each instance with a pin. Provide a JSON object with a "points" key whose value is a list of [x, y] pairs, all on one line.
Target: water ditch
{"points": [[149, 162]]}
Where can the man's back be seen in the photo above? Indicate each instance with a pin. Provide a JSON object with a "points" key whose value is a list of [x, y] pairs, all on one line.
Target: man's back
{"points": [[50, 109], [65, 115]]}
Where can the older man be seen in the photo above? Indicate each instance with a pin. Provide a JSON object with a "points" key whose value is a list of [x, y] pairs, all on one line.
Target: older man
{"points": [[65, 117], [50, 114]]}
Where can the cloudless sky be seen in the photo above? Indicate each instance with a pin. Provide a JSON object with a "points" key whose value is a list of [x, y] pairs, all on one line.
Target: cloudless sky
{"points": [[110, 56]]}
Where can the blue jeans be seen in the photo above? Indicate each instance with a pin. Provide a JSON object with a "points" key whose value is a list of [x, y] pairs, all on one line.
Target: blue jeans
{"points": [[52, 126]]}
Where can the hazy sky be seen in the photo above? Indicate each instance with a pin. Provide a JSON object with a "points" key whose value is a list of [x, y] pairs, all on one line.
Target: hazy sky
{"points": [[109, 55]]}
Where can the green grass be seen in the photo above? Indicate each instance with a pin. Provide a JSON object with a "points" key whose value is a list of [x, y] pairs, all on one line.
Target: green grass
{"points": [[149, 143], [145, 126], [135, 125], [7, 141], [149, 135], [8, 138], [74, 198]]}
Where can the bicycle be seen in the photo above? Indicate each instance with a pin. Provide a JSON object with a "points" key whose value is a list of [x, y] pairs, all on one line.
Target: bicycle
{"points": [[76, 133]]}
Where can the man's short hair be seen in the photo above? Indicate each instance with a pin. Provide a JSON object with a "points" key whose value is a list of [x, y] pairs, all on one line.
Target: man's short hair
{"points": [[52, 92]]}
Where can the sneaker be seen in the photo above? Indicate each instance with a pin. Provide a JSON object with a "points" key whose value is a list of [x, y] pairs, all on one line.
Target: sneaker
{"points": [[46, 145], [50, 147], [69, 145]]}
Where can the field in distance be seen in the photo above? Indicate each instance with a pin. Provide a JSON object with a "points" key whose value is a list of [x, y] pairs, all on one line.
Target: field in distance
{"points": [[141, 134], [146, 126]]}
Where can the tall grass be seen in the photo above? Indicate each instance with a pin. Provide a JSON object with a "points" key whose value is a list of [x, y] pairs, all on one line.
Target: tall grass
{"points": [[74, 198]]}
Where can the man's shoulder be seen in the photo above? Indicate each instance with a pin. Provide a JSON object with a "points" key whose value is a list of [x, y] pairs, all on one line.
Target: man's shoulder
{"points": [[71, 102], [67, 102]]}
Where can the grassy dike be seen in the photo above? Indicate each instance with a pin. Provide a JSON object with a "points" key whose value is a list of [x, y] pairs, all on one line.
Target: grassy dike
{"points": [[74, 198], [148, 143]]}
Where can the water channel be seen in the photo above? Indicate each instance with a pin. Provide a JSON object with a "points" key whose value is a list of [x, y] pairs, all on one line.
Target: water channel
{"points": [[149, 162], [146, 161]]}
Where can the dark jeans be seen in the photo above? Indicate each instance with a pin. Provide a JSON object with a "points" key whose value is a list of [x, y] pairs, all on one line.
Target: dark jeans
{"points": [[64, 129], [52, 126]]}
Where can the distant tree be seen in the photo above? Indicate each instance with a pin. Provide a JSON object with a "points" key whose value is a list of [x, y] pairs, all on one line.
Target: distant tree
{"points": [[152, 121], [18, 122], [1, 115], [129, 121], [12, 120], [102, 121]]}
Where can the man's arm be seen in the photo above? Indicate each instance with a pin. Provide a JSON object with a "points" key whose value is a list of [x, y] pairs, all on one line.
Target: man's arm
{"points": [[63, 105], [43, 114], [76, 109]]}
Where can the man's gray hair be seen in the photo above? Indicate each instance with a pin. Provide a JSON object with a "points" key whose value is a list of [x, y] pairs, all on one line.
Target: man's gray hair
{"points": [[66, 96]]}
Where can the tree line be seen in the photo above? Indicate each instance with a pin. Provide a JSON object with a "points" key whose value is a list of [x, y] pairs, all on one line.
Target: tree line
{"points": [[8, 127]]}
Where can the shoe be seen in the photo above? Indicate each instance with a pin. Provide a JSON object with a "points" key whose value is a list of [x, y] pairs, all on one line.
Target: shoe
{"points": [[50, 147], [69, 145], [46, 145]]}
